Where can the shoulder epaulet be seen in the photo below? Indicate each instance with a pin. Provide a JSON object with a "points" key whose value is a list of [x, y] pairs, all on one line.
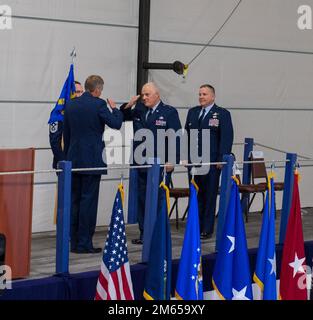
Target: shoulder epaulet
{"points": [[222, 108]]}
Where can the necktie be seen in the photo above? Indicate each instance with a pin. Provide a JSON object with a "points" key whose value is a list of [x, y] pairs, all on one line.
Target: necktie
{"points": [[149, 115], [201, 117]]}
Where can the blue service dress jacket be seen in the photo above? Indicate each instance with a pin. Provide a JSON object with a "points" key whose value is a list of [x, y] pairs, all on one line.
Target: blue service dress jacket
{"points": [[164, 117], [84, 121], [218, 120]]}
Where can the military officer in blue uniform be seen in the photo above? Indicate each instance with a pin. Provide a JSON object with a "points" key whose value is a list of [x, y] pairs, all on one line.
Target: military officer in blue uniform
{"points": [[84, 121], [152, 114], [218, 120], [56, 133]]}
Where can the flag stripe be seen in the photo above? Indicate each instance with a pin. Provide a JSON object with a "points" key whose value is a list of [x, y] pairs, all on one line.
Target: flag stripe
{"points": [[103, 283], [120, 283], [125, 282], [114, 281], [114, 278], [102, 292], [97, 297]]}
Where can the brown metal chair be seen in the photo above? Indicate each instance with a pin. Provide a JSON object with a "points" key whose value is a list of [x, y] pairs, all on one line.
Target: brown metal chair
{"points": [[178, 193], [259, 173]]}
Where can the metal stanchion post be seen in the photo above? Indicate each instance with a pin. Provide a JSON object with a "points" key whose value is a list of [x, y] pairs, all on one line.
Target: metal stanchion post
{"points": [[132, 196], [246, 176], [63, 218]]}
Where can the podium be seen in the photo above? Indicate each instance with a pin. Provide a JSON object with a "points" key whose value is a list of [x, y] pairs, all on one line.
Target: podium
{"points": [[16, 201]]}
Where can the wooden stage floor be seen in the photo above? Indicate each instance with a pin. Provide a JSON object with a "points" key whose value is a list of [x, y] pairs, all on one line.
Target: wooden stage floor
{"points": [[44, 245]]}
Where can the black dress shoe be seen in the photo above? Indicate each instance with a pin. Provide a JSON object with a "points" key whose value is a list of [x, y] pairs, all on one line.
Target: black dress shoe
{"points": [[92, 250], [205, 235], [137, 241]]}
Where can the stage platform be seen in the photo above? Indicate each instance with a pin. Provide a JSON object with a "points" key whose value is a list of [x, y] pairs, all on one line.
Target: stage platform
{"points": [[84, 268]]}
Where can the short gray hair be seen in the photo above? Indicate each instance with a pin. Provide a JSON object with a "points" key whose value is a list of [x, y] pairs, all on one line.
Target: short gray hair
{"points": [[93, 82]]}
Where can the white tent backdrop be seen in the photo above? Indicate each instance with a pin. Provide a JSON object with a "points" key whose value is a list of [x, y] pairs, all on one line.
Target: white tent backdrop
{"points": [[260, 64], [35, 57]]}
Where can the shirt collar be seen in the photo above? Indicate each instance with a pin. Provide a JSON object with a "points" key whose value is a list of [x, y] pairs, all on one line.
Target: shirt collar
{"points": [[153, 108], [208, 108]]}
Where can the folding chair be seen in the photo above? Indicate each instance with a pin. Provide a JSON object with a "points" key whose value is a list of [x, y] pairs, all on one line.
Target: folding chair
{"points": [[259, 173], [178, 193]]}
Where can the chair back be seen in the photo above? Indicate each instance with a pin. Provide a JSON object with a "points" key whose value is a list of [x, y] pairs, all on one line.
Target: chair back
{"points": [[258, 169]]}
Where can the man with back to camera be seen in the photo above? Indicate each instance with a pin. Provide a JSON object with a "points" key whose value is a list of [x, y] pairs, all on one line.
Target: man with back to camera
{"points": [[84, 122], [154, 115], [218, 120]]}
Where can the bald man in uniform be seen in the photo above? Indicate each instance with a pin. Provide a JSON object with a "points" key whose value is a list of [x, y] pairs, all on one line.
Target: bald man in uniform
{"points": [[152, 114]]}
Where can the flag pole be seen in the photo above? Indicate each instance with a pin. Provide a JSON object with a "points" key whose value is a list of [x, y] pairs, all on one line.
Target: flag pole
{"points": [[73, 54]]}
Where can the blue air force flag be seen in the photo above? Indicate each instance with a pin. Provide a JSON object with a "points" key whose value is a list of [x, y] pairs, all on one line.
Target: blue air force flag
{"points": [[231, 277], [67, 93], [265, 270], [189, 279], [158, 274]]}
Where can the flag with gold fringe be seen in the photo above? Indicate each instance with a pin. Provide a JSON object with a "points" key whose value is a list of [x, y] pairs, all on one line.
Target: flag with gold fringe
{"points": [[231, 276], [189, 284], [159, 269], [265, 271]]}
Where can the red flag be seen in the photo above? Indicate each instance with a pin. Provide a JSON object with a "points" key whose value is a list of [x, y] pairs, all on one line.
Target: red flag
{"points": [[293, 267]]}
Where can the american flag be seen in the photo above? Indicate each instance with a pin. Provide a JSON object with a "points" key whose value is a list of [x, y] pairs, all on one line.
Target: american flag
{"points": [[114, 281]]}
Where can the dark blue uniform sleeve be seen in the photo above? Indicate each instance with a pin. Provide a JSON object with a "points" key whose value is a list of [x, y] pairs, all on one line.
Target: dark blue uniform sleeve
{"points": [[66, 134], [187, 120], [175, 124], [55, 139], [113, 119], [227, 135], [174, 120], [134, 112], [127, 113]]}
